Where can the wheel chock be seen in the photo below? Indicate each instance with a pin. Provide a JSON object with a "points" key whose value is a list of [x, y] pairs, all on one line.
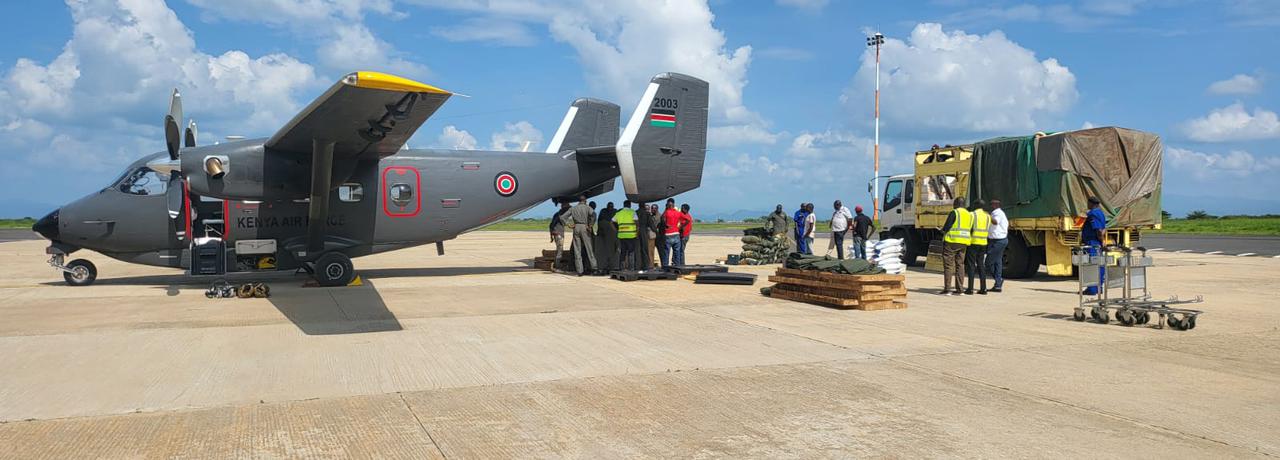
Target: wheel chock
{"points": [[356, 281]]}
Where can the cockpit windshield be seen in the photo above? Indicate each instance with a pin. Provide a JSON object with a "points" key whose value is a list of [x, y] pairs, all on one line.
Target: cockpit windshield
{"points": [[143, 181]]}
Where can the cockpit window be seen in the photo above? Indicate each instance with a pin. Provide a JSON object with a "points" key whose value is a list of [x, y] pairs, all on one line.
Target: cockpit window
{"points": [[143, 181]]}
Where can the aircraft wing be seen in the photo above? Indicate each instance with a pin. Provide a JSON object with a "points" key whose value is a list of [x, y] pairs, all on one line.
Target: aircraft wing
{"points": [[366, 114]]}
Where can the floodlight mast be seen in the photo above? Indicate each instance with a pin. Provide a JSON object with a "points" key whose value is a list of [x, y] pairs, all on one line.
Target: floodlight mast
{"points": [[876, 40]]}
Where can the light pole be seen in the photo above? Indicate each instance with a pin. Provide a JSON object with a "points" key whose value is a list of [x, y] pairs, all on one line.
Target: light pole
{"points": [[876, 40]]}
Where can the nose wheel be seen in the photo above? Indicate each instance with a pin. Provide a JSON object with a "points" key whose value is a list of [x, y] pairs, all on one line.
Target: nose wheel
{"points": [[80, 272]]}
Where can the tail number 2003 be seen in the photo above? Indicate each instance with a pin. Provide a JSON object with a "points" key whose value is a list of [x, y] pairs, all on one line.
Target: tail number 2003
{"points": [[662, 103]]}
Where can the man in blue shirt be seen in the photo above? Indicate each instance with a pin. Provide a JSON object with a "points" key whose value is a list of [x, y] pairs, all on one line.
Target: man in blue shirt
{"points": [[1095, 225], [800, 218]]}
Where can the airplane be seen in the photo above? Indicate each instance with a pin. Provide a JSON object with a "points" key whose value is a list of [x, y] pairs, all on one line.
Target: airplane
{"points": [[336, 182]]}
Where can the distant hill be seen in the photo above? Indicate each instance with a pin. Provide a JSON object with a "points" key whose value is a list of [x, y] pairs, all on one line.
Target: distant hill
{"points": [[730, 216]]}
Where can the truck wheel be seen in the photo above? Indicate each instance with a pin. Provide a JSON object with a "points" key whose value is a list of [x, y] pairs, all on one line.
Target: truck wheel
{"points": [[334, 269], [82, 273], [1017, 258], [910, 246]]}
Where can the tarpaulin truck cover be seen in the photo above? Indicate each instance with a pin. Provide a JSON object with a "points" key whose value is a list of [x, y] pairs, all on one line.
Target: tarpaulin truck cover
{"points": [[1054, 175]]}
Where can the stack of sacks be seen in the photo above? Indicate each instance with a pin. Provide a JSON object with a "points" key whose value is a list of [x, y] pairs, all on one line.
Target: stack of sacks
{"points": [[888, 255]]}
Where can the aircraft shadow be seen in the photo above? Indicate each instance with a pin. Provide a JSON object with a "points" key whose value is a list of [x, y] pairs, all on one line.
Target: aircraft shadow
{"points": [[332, 311]]}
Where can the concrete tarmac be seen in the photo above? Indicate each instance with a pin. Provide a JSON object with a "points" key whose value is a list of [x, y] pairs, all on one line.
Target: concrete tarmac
{"points": [[475, 355]]}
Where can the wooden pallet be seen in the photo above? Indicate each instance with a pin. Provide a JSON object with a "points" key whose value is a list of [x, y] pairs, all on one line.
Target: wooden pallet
{"points": [[862, 292]]}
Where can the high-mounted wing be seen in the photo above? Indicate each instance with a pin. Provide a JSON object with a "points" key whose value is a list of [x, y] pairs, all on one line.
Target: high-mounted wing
{"points": [[366, 114]]}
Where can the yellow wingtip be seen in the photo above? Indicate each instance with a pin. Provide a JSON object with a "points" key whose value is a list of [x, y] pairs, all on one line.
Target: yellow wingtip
{"points": [[384, 81]]}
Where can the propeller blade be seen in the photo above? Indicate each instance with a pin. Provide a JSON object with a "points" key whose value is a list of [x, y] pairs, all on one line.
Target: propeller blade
{"points": [[174, 194], [172, 134], [190, 138]]}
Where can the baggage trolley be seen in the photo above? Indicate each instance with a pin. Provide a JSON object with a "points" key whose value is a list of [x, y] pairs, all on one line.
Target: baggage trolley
{"points": [[1122, 291]]}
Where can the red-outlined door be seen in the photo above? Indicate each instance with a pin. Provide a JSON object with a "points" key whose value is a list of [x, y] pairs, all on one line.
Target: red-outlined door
{"points": [[401, 191]]}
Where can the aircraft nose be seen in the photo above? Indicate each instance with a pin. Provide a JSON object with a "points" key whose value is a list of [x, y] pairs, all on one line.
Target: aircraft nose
{"points": [[47, 226]]}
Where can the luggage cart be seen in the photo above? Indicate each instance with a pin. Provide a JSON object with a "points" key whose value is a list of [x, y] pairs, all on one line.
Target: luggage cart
{"points": [[1123, 293]]}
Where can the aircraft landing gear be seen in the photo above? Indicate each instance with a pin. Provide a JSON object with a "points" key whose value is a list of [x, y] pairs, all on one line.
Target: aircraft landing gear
{"points": [[334, 269], [79, 272]]}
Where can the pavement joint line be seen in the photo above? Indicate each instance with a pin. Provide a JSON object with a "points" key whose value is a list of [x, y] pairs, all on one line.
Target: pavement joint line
{"points": [[421, 425], [1212, 253], [1246, 254], [1183, 251], [1099, 412]]}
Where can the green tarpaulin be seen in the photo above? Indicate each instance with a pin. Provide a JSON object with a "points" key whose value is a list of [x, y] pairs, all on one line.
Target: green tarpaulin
{"points": [[1053, 175]]}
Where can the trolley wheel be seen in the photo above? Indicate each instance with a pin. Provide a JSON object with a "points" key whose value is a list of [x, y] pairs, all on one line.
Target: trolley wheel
{"points": [[1189, 322], [1078, 315], [1102, 316], [82, 273], [1144, 317], [1175, 323], [1125, 317]]}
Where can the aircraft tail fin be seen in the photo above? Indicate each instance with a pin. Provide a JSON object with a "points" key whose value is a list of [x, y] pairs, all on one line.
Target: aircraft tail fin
{"points": [[589, 122], [662, 150]]}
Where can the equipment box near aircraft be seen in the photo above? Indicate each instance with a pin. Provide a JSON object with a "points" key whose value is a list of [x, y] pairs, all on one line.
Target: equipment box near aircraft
{"points": [[1043, 182]]}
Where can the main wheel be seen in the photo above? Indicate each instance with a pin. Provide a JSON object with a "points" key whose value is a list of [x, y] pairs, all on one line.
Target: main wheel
{"points": [[1018, 258], [82, 273], [334, 269]]}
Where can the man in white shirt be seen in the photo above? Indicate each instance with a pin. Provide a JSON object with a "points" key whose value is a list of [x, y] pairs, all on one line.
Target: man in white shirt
{"points": [[839, 227], [997, 240], [810, 224]]}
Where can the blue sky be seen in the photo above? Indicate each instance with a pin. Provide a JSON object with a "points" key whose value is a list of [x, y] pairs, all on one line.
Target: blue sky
{"points": [[86, 82]]}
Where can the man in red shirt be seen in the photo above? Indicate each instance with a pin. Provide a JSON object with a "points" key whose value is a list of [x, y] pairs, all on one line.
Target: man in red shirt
{"points": [[673, 220], [685, 231]]}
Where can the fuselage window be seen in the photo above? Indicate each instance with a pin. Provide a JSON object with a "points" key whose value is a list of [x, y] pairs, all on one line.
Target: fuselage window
{"points": [[144, 181], [401, 194], [351, 193]]}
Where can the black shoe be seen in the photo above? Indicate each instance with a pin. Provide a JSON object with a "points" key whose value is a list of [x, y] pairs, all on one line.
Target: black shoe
{"points": [[982, 292], [995, 290], [968, 292], [944, 292]]}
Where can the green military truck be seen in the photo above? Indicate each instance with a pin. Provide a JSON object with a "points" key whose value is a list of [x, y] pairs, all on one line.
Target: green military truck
{"points": [[1043, 181]]}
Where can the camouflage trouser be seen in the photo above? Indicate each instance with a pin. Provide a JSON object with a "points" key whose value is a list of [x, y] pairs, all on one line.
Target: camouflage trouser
{"points": [[559, 239]]}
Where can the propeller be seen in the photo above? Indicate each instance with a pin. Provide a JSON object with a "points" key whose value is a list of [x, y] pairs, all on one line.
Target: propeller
{"points": [[174, 141], [190, 138], [172, 135]]}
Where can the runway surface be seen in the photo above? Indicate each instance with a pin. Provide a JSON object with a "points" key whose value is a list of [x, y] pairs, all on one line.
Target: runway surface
{"points": [[475, 355]]}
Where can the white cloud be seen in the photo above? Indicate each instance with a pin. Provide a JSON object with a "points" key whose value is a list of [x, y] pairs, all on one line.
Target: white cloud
{"points": [[810, 5], [962, 82], [1240, 84], [1210, 166], [456, 139], [514, 136], [105, 92], [734, 135], [1233, 123], [344, 42], [1087, 125], [743, 164], [499, 31], [833, 156], [621, 44]]}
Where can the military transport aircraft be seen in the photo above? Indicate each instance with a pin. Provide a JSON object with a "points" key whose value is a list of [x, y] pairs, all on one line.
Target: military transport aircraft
{"points": [[334, 183]]}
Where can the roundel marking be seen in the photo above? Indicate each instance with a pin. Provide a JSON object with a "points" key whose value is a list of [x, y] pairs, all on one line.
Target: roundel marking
{"points": [[506, 183]]}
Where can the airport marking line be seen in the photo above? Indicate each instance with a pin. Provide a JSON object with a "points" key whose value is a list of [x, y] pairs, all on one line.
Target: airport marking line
{"points": [[1247, 254]]}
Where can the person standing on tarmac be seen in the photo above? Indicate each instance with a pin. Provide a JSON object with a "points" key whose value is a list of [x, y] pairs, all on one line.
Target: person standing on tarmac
{"points": [[840, 220], [975, 258], [686, 229], [580, 216], [606, 240], [997, 240], [659, 240], [557, 233], [955, 236], [624, 223], [810, 227], [861, 232], [1091, 234], [644, 240], [777, 223], [671, 228], [799, 218]]}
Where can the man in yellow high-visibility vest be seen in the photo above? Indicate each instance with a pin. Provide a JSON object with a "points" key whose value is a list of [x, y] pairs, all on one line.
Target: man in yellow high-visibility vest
{"points": [[955, 235], [975, 260], [625, 222]]}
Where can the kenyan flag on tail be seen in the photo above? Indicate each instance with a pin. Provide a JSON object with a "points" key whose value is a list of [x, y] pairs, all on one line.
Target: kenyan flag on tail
{"points": [[662, 118]]}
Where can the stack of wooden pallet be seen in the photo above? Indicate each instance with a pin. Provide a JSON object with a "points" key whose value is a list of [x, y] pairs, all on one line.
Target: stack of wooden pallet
{"points": [[547, 259], [861, 292]]}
